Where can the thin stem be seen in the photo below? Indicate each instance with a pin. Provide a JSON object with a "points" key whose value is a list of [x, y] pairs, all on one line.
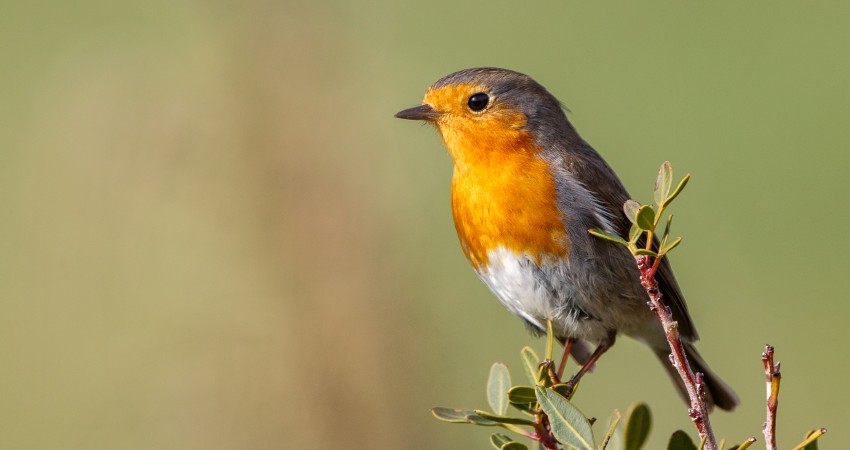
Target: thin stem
{"points": [[654, 267], [544, 435], [520, 431], [568, 346], [651, 233], [694, 383], [746, 444], [773, 377], [811, 438]]}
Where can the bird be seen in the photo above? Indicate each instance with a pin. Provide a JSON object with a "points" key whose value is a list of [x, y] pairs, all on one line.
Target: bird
{"points": [[525, 190]]}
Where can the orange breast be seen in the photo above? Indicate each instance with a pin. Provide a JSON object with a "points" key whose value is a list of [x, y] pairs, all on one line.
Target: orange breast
{"points": [[503, 194]]}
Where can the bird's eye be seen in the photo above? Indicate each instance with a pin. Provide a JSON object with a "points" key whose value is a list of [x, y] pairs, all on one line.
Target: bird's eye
{"points": [[478, 102]]}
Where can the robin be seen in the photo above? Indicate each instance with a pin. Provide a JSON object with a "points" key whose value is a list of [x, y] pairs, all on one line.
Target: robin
{"points": [[525, 190]]}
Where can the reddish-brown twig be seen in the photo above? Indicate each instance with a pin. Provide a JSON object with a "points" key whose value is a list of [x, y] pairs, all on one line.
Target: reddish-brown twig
{"points": [[772, 376], [693, 382], [544, 435]]}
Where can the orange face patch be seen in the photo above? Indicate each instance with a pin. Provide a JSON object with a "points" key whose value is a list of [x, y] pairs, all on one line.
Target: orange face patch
{"points": [[503, 193]]}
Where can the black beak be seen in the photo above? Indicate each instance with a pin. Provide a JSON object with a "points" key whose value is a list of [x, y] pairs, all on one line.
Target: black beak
{"points": [[421, 112]]}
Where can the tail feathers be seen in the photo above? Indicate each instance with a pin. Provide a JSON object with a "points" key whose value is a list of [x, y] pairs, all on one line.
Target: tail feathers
{"points": [[717, 392]]}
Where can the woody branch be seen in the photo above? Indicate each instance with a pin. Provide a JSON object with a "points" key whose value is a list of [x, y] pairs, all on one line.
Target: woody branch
{"points": [[772, 376], [694, 384]]}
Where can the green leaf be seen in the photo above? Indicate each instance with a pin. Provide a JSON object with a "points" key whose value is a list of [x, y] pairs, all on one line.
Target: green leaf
{"points": [[530, 361], [499, 439], [460, 416], [475, 419], [667, 226], [663, 182], [450, 414], [644, 252], [528, 408], [666, 232], [568, 424], [681, 441], [612, 428], [504, 442], [521, 394], [503, 419], [543, 375], [744, 445], [667, 246], [631, 208], [522, 398], [678, 189], [497, 388], [811, 441], [811, 445], [645, 218], [607, 235], [565, 390], [638, 424], [634, 233], [514, 446]]}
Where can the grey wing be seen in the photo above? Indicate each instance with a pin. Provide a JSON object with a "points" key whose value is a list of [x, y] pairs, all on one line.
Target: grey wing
{"points": [[586, 166]]}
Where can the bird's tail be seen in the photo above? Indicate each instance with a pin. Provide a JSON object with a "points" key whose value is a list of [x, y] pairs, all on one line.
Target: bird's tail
{"points": [[717, 392]]}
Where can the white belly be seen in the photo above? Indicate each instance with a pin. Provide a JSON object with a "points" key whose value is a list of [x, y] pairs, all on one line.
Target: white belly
{"points": [[538, 294]]}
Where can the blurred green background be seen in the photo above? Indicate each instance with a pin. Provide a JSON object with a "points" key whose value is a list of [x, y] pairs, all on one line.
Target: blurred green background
{"points": [[215, 235]]}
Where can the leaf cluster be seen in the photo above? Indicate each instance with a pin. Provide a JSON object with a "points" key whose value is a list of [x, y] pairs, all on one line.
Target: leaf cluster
{"points": [[542, 409], [645, 219], [541, 401]]}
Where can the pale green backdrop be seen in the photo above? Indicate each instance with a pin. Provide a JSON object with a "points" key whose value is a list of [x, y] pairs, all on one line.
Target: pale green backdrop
{"points": [[214, 235]]}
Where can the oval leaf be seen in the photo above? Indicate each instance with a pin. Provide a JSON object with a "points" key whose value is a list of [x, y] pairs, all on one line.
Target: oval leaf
{"points": [[451, 415], [461, 416], [638, 423], [497, 388], [667, 246], [530, 361], [499, 439], [502, 419], [528, 408], [681, 441], [475, 419], [644, 252], [607, 235], [667, 226], [634, 233], [663, 182], [678, 189], [565, 390], [631, 208], [514, 446], [522, 394], [645, 218], [568, 424]]}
